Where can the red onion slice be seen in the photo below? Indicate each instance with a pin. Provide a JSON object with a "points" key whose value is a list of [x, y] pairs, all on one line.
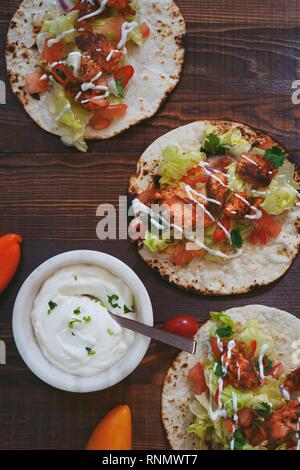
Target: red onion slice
{"points": [[66, 5]]}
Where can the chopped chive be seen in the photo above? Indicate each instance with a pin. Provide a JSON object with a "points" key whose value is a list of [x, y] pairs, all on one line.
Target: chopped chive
{"points": [[52, 306], [87, 319], [110, 331], [77, 311], [71, 323], [128, 309], [112, 300], [90, 351]]}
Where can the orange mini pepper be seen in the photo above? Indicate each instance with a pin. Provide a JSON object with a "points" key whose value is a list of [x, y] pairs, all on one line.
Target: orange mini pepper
{"points": [[10, 254], [114, 432]]}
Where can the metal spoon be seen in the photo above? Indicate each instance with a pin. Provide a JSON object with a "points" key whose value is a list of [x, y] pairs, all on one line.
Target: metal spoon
{"points": [[180, 342]]}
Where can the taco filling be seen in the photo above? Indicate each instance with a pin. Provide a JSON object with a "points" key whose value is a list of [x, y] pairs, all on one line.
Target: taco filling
{"points": [[243, 396], [240, 189], [84, 62]]}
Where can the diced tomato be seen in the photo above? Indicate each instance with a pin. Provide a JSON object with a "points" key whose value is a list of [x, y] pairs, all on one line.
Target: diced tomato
{"points": [[215, 348], [182, 256], [196, 375], [219, 234], [145, 30], [277, 370], [63, 75], [124, 74], [229, 425], [53, 53], [99, 123], [252, 350], [183, 325], [34, 84], [259, 237], [196, 175], [269, 224], [114, 111]]}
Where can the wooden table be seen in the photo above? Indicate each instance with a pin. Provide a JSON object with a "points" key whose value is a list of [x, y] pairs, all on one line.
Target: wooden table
{"points": [[240, 64]]}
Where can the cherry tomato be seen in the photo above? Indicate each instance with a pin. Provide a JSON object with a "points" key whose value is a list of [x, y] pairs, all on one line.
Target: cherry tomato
{"points": [[277, 371], [183, 325], [196, 375], [229, 425], [267, 143], [124, 74], [219, 234], [145, 30], [182, 256], [76, 6], [111, 28], [34, 84], [114, 111], [53, 53], [253, 345], [215, 348]]}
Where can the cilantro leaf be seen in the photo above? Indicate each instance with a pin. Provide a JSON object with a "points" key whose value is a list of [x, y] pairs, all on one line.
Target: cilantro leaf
{"points": [[128, 309], [90, 351], [218, 370], [213, 146], [239, 440], [224, 332], [120, 88], [236, 238], [111, 299], [268, 365], [276, 155], [52, 306], [264, 410]]}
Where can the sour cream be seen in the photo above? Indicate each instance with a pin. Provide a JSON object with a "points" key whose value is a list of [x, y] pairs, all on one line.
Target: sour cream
{"points": [[71, 320]]}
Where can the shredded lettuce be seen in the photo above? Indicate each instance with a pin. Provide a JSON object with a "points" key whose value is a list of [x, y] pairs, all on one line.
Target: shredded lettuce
{"points": [[71, 117], [136, 36], [235, 142], [60, 25], [176, 164], [223, 319], [155, 244], [282, 192], [204, 426], [235, 182]]}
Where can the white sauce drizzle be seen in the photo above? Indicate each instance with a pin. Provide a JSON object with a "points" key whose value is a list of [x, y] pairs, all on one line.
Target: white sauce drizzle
{"points": [[220, 388], [44, 77], [125, 30], [262, 352], [63, 111], [94, 13], [61, 36], [285, 393], [249, 160]]}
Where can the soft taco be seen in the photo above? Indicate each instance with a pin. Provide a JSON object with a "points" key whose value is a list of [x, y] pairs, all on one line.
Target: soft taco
{"points": [[246, 190], [241, 391], [93, 68]]}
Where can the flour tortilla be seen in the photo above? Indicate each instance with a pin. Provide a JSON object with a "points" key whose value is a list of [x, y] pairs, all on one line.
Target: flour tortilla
{"points": [[158, 63], [257, 266], [177, 391]]}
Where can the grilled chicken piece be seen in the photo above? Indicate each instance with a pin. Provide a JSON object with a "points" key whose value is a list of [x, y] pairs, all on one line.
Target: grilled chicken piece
{"points": [[88, 68], [255, 169], [241, 370], [222, 163], [99, 48], [252, 427], [193, 197], [283, 421], [236, 207], [292, 381], [217, 187]]}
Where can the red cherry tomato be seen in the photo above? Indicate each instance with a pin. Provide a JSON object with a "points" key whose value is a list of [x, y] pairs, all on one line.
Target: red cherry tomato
{"points": [[269, 224], [252, 350], [124, 74], [182, 325], [215, 348], [113, 111], [196, 375], [145, 30], [259, 236], [229, 425]]}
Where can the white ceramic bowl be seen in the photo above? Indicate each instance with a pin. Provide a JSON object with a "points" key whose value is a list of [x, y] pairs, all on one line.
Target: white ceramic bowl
{"points": [[25, 337]]}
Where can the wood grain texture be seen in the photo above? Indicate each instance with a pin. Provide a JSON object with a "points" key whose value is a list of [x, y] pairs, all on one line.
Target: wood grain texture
{"points": [[242, 57]]}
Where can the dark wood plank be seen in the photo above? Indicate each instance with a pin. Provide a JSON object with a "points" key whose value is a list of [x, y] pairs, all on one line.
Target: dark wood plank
{"points": [[242, 57]]}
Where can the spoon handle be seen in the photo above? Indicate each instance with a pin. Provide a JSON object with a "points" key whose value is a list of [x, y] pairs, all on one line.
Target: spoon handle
{"points": [[180, 342]]}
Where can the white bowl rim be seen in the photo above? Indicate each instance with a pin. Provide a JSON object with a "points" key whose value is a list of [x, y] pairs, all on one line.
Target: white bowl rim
{"points": [[25, 337]]}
